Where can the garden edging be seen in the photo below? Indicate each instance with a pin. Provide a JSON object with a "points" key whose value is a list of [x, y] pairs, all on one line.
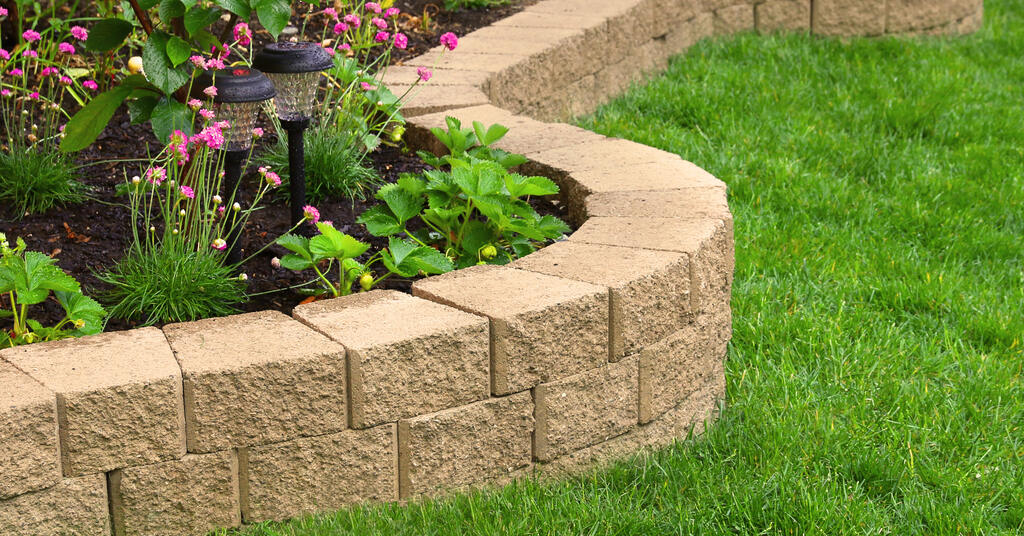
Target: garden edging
{"points": [[586, 351]]}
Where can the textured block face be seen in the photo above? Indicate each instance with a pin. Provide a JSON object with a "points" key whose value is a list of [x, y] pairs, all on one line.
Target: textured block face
{"points": [[429, 98], [29, 456], [909, 15], [190, 496], [689, 203], [119, 398], [406, 356], [317, 474], [673, 369], [734, 19], [542, 327], [849, 17], [776, 15], [75, 506], [650, 290], [257, 378], [485, 442], [588, 408]]}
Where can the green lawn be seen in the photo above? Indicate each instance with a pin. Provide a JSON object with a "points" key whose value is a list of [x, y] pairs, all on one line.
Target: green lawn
{"points": [[874, 378]]}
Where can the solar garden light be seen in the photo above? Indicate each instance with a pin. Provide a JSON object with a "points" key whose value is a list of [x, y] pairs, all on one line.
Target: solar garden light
{"points": [[295, 70], [240, 92]]}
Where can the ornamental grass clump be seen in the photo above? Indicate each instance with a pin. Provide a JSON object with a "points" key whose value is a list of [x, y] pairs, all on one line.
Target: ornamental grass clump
{"points": [[37, 78]]}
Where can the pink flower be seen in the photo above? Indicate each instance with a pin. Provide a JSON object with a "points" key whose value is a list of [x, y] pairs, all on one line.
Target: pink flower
{"points": [[198, 61], [449, 40], [311, 213], [401, 41], [3, 11], [222, 125], [379, 23], [66, 80], [210, 91], [257, 132], [381, 37], [273, 178], [331, 12], [353, 20], [79, 33], [187, 192], [207, 114], [365, 86], [91, 85], [329, 50], [219, 244], [340, 28], [156, 175], [214, 64], [5, 93], [4, 54], [195, 104], [345, 46], [29, 53], [47, 71], [392, 11], [66, 48], [30, 35], [242, 34], [34, 95], [424, 73], [15, 72], [373, 6], [211, 136]]}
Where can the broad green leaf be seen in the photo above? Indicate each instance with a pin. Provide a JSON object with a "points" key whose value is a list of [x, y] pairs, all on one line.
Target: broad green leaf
{"points": [[453, 123], [238, 7], [494, 133], [107, 35], [141, 109], [525, 228], [79, 307], [332, 243], [158, 66], [553, 227], [400, 249], [178, 50], [295, 263], [412, 184], [430, 261], [404, 205], [520, 186], [170, 9], [38, 277], [379, 221], [206, 40], [170, 115], [396, 257], [521, 246], [296, 244], [89, 122], [478, 234], [495, 207], [442, 136], [199, 18], [478, 180], [148, 4], [506, 159], [273, 14]]}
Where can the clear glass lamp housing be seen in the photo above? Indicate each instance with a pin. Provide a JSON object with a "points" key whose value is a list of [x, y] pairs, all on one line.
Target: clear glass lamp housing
{"points": [[241, 118], [296, 94]]}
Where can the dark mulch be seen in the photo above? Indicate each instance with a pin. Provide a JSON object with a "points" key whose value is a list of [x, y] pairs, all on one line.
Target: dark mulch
{"points": [[89, 237]]}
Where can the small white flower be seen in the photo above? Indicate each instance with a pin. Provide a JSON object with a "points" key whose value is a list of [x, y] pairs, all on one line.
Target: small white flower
{"points": [[243, 277], [236, 207], [174, 232], [136, 179], [181, 213], [217, 200], [275, 262]]}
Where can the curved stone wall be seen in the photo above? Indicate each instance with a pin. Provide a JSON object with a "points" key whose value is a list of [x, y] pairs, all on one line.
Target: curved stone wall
{"points": [[588, 350]]}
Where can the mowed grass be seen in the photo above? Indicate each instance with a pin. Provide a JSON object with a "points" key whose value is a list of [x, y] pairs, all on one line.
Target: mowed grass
{"points": [[875, 374]]}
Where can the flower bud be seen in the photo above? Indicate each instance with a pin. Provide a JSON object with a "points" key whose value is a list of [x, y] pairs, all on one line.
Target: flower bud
{"points": [[181, 213], [243, 277], [135, 65], [275, 262], [174, 232], [136, 180], [236, 207]]}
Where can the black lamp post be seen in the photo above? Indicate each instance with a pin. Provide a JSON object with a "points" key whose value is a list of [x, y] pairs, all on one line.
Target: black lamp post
{"points": [[295, 70], [240, 91]]}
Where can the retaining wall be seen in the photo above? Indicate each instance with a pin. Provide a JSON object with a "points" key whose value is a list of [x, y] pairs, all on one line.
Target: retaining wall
{"points": [[588, 350]]}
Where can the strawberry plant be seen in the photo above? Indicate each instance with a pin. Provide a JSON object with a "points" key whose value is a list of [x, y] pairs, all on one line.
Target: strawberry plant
{"points": [[27, 278], [463, 143]]}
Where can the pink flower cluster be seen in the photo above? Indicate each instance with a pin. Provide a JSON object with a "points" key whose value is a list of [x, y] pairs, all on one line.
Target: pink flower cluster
{"points": [[449, 40], [211, 136], [272, 178], [156, 175], [242, 34], [79, 33], [31, 36], [66, 48], [311, 213], [179, 147]]}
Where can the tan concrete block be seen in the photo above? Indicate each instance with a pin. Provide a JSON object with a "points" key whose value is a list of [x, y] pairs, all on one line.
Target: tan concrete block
{"points": [[713, 5], [849, 17], [319, 474], [783, 15], [585, 409], [534, 19], [466, 61], [910, 15], [707, 242], [687, 420], [119, 398], [971, 23], [427, 99], [734, 19], [488, 442], [29, 454], [406, 75], [241, 384], [75, 506], [190, 496], [406, 356], [542, 327], [689, 203], [649, 290], [528, 40]]}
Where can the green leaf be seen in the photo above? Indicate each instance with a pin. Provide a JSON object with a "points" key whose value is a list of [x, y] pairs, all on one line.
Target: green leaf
{"points": [[334, 244], [170, 115], [158, 66], [520, 186], [525, 228], [170, 9], [494, 133], [521, 246], [296, 244], [38, 276], [412, 184], [141, 109], [273, 14], [199, 18], [295, 263], [404, 205], [430, 261], [89, 122], [238, 7], [478, 234], [148, 4], [206, 40], [553, 227], [178, 50], [508, 160], [81, 308], [379, 221], [108, 34]]}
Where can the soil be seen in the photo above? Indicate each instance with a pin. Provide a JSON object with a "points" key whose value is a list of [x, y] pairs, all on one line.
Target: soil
{"points": [[88, 238]]}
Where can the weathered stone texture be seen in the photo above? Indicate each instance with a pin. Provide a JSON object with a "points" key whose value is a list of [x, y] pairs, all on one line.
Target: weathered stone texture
{"points": [[318, 474], [849, 17], [406, 356], [910, 15], [74, 506], [650, 290], [588, 408], [119, 398], [542, 327], [734, 19], [690, 203], [29, 454], [257, 378], [405, 75], [186, 497], [429, 98], [487, 442], [776, 15]]}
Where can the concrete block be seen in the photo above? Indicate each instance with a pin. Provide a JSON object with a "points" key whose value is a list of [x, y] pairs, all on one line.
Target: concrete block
{"points": [[29, 456], [75, 506]]}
